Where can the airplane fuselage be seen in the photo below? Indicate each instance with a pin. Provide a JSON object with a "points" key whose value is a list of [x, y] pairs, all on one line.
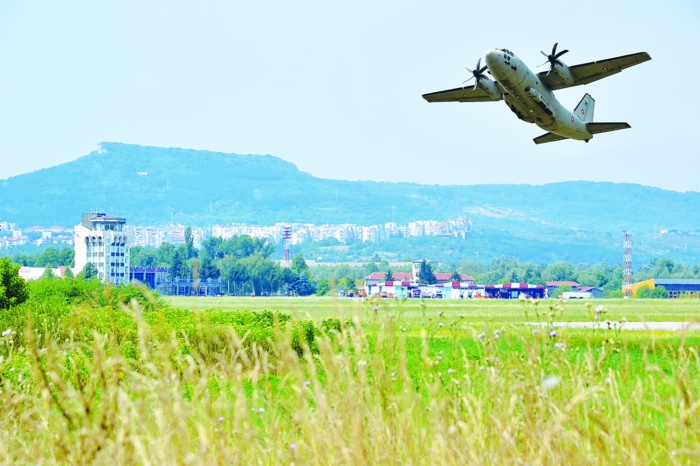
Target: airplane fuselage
{"points": [[530, 99]]}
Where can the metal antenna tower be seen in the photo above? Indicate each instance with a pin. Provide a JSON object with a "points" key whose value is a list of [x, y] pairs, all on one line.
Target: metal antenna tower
{"points": [[286, 235], [627, 264]]}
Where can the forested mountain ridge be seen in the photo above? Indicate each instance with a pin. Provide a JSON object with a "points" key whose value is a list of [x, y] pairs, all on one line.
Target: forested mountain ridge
{"points": [[154, 186]]}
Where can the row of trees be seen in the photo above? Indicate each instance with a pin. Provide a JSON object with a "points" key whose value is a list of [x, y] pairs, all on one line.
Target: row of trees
{"points": [[50, 256], [243, 263]]}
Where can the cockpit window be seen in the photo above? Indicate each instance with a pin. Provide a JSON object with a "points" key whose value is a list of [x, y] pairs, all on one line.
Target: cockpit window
{"points": [[508, 52]]}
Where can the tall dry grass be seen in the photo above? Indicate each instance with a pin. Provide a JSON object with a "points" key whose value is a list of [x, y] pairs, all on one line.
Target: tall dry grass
{"points": [[358, 398]]}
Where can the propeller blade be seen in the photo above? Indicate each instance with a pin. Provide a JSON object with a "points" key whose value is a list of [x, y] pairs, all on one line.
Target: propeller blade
{"points": [[465, 82], [560, 53], [475, 85], [478, 63], [544, 54], [482, 69], [554, 49]]}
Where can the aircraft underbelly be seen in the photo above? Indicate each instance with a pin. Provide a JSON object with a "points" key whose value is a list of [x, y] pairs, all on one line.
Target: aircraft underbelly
{"points": [[530, 100], [527, 103]]}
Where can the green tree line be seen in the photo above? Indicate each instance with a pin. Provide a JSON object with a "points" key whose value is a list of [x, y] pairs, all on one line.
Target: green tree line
{"points": [[243, 263]]}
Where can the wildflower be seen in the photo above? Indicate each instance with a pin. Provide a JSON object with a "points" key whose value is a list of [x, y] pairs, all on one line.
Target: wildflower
{"points": [[261, 410], [307, 383], [550, 382], [481, 336], [439, 358], [534, 332], [560, 346], [393, 374], [361, 364], [450, 371], [553, 334], [496, 333], [440, 313], [375, 308], [235, 431], [293, 446], [7, 333], [441, 324], [221, 419], [600, 310], [608, 381]]}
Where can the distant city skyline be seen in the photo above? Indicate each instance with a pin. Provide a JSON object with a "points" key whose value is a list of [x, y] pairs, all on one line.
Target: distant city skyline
{"points": [[301, 233], [336, 88]]}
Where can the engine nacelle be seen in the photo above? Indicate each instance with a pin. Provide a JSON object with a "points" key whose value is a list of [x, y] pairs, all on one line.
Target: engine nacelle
{"points": [[541, 101], [564, 73], [491, 89]]}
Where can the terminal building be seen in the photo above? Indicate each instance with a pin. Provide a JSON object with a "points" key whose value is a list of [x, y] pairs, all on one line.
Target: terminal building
{"points": [[102, 240]]}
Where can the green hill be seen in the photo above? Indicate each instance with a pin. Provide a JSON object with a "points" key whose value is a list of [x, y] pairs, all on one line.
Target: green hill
{"points": [[154, 186]]}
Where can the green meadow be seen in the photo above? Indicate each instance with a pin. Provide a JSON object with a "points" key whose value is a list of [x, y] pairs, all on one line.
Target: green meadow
{"points": [[474, 310], [93, 374]]}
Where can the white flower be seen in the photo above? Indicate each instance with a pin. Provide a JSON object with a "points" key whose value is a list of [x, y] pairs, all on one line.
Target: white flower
{"points": [[550, 382], [7, 333]]}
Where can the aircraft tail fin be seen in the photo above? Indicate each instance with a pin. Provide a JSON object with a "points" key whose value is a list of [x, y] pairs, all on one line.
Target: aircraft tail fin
{"points": [[584, 109], [548, 137], [596, 128]]}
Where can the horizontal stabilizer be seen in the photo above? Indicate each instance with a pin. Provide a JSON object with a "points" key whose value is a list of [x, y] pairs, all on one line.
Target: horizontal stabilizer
{"points": [[548, 137], [595, 128]]}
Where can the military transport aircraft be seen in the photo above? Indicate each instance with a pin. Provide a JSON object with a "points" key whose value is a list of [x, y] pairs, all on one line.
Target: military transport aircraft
{"points": [[530, 95]]}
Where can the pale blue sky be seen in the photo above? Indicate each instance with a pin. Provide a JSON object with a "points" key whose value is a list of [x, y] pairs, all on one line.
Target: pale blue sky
{"points": [[335, 87]]}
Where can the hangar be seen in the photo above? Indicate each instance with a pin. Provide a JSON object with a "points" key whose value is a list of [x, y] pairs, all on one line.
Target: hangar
{"points": [[676, 287]]}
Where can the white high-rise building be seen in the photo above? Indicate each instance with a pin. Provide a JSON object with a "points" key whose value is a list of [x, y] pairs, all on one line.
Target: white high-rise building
{"points": [[103, 241]]}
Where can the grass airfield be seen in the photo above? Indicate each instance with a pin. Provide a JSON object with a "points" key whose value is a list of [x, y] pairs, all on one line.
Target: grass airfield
{"points": [[415, 311]]}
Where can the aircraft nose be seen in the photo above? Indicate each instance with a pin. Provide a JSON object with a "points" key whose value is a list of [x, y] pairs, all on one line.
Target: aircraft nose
{"points": [[491, 57]]}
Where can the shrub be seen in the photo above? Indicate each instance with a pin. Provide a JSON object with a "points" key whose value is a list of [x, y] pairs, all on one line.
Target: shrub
{"points": [[13, 288]]}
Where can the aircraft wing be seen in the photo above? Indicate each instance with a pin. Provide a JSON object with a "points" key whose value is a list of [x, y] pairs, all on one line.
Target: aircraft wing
{"points": [[593, 71], [461, 94]]}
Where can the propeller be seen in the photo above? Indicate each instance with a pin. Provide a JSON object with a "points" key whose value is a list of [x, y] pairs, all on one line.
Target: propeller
{"points": [[553, 58], [477, 73]]}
